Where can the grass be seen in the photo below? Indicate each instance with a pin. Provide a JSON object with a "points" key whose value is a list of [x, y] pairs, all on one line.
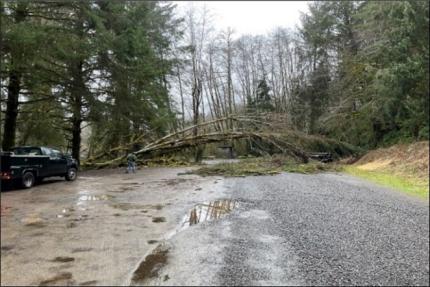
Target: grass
{"points": [[414, 186]]}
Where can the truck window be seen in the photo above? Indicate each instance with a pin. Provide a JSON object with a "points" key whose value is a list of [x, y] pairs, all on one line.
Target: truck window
{"points": [[56, 153], [26, 151], [46, 151]]}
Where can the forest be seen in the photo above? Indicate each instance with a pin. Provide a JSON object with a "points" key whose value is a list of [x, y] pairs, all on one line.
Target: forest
{"points": [[93, 76]]}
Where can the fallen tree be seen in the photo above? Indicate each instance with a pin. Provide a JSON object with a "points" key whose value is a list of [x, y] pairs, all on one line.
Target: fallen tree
{"points": [[251, 129]]}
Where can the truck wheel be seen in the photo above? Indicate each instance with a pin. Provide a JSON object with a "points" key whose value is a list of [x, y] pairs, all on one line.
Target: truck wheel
{"points": [[28, 179], [71, 174]]}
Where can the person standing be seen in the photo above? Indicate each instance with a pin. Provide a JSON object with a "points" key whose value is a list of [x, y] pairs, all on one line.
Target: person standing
{"points": [[131, 162]]}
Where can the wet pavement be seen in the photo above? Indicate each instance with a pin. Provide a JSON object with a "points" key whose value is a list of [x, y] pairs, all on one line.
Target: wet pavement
{"points": [[157, 228], [93, 231]]}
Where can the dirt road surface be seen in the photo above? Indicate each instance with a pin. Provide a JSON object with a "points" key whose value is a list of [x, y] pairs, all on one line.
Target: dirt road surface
{"points": [[111, 228]]}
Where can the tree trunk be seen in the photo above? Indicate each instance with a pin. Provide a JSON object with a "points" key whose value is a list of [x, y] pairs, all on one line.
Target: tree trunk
{"points": [[9, 128], [76, 95], [13, 89]]}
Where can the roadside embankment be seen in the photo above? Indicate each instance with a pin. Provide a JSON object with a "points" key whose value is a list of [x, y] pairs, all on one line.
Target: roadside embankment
{"points": [[403, 166]]}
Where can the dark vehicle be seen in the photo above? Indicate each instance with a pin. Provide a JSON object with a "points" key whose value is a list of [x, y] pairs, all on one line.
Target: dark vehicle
{"points": [[28, 164]]}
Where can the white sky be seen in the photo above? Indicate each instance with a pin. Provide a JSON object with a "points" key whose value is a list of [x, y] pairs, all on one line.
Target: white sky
{"points": [[252, 17]]}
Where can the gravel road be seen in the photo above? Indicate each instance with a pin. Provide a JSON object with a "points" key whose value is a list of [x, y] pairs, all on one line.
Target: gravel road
{"points": [[294, 229], [286, 229]]}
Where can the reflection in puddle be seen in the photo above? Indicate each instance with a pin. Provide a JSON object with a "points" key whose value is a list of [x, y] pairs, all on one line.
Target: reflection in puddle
{"points": [[209, 211], [65, 212], [84, 198]]}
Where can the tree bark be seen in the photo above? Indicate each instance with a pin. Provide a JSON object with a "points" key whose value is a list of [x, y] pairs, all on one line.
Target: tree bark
{"points": [[13, 89]]}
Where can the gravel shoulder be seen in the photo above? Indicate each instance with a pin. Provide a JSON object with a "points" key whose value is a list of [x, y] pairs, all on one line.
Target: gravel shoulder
{"points": [[295, 229]]}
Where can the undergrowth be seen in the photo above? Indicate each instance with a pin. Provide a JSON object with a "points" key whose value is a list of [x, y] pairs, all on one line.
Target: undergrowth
{"points": [[262, 166]]}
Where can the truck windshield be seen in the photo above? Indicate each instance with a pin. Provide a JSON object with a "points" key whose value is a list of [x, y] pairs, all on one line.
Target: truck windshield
{"points": [[26, 151]]}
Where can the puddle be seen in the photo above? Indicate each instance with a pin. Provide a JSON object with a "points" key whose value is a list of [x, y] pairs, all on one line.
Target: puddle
{"points": [[84, 199], [89, 283], [158, 206], [151, 265], [209, 211], [87, 177], [63, 259], [127, 206], [71, 225], [95, 197], [61, 279], [158, 219], [122, 189], [66, 212], [172, 182], [7, 247], [81, 249]]}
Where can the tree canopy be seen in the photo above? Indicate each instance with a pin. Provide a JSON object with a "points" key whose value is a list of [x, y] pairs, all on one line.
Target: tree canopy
{"points": [[90, 76]]}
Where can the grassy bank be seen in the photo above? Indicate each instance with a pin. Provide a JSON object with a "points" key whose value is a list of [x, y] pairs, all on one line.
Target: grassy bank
{"points": [[414, 186], [404, 167]]}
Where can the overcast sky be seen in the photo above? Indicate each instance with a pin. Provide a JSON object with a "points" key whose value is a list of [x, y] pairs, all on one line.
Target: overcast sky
{"points": [[252, 17]]}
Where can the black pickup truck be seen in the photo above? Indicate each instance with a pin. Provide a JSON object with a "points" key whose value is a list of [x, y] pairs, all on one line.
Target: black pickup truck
{"points": [[29, 164]]}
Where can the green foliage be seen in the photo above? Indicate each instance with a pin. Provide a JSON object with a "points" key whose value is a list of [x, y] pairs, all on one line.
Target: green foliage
{"points": [[263, 100], [40, 125], [102, 64], [139, 36], [376, 92]]}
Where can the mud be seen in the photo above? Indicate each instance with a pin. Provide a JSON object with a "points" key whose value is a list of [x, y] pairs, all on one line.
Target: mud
{"points": [[149, 268]]}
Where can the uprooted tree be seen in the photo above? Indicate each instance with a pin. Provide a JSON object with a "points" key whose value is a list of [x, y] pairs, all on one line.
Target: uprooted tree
{"points": [[256, 130]]}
